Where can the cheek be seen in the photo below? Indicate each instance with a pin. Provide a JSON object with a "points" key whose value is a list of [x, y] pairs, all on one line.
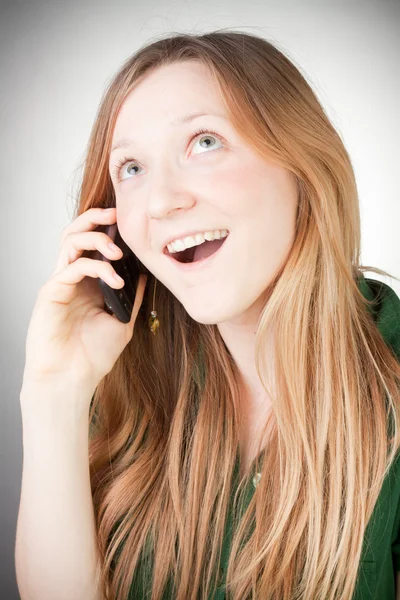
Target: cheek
{"points": [[276, 222], [132, 227], [233, 188]]}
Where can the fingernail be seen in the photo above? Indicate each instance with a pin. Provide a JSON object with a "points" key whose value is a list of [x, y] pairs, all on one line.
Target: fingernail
{"points": [[113, 247]]}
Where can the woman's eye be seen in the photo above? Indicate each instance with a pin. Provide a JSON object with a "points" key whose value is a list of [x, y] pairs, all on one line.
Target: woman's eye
{"points": [[130, 161], [208, 135]]}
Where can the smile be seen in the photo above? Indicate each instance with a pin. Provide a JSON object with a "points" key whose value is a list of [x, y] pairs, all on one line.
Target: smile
{"points": [[197, 256]]}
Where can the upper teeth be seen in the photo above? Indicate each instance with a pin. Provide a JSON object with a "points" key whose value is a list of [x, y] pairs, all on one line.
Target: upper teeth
{"points": [[196, 240]]}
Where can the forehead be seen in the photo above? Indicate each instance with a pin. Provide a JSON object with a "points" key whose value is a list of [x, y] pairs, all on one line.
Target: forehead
{"points": [[160, 98]]}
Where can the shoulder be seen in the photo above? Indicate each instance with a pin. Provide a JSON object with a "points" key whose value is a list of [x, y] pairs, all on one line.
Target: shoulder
{"points": [[385, 310]]}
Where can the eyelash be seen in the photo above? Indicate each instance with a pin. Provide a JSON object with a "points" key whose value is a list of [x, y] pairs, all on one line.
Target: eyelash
{"points": [[126, 159]]}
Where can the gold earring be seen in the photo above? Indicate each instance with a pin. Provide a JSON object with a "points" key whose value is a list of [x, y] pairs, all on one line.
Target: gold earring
{"points": [[154, 323]]}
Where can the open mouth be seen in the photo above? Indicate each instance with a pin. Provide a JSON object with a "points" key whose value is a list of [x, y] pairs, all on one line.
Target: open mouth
{"points": [[196, 253]]}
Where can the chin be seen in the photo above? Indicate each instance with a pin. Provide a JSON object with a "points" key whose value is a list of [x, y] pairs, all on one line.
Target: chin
{"points": [[207, 315]]}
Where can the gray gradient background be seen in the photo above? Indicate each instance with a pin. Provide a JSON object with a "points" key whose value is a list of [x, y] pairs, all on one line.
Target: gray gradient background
{"points": [[56, 59]]}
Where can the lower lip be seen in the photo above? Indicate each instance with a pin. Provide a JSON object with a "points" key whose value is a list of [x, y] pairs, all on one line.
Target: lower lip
{"points": [[199, 264]]}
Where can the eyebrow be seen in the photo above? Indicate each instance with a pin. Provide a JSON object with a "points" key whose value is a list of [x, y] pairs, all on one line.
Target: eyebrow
{"points": [[124, 142]]}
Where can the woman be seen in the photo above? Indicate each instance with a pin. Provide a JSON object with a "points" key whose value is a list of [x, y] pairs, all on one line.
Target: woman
{"points": [[260, 421]]}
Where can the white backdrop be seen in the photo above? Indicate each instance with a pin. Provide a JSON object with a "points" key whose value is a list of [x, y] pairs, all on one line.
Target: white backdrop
{"points": [[56, 59]]}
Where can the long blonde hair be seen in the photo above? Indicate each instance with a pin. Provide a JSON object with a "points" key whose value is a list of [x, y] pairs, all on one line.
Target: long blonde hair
{"points": [[162, 454]]}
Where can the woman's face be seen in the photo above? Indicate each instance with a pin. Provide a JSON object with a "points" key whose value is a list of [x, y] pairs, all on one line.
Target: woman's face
{"points": [[171, 185]]}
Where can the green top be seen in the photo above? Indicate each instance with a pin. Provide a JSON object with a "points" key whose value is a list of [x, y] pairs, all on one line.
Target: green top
{"points": [[381, 552]]}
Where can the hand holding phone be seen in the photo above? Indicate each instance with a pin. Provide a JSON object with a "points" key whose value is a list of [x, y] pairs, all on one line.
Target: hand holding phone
{"points": [[71, 340]]}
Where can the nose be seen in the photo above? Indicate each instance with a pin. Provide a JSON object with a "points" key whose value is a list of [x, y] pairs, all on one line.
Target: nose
{"points": [[162, 205], [167, 195]]}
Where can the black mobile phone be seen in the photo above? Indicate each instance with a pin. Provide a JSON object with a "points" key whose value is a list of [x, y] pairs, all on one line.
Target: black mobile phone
{"points": [[119, 302]]}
